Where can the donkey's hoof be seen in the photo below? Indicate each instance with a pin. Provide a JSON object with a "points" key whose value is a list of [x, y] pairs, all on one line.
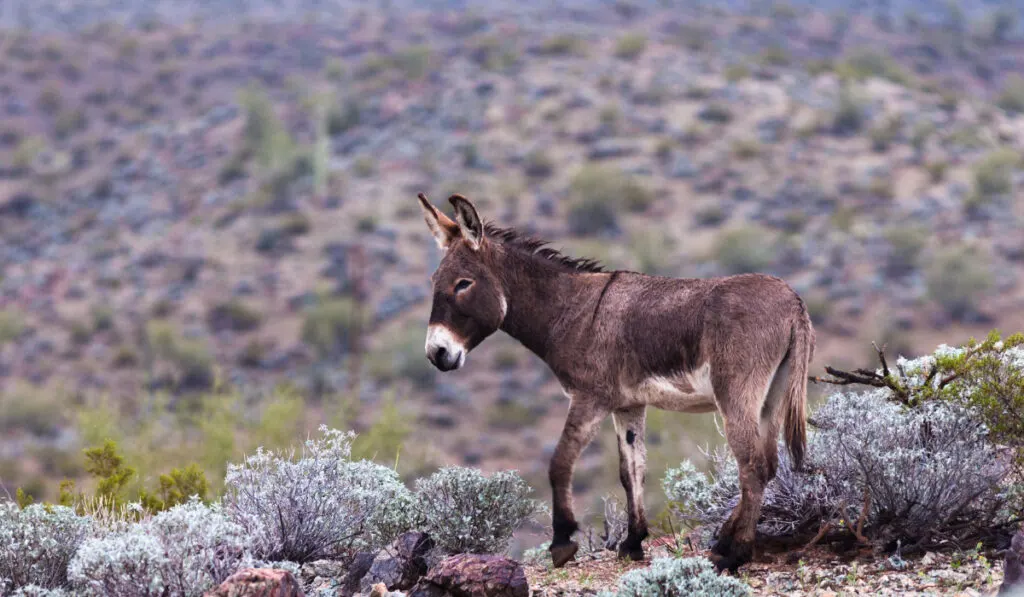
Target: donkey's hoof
{"points": [[560, 554], [722, 546], [634, 553], [735, 557]]}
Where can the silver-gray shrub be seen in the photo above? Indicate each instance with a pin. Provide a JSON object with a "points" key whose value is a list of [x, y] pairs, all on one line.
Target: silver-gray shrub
{"points": [[37, 543], [37, 591], [181, 552], [930, 472], [466, 511], [317, 503], [672, 577]]}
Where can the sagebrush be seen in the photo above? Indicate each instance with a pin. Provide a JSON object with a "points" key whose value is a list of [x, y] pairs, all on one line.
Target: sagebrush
{"points": [[672, 577], [317, 504], [182, 552], [467, 512], [37, 543], [920, 468]]}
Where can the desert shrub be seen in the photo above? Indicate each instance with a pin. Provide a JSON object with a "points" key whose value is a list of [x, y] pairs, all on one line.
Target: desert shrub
{"points": [[1011, 98], [37, 543], [863, 63], [50, 100], [986, 377], [364, 166], [182, 552], [678, 577], [265, 135], [716, 112], [743, 249], [191, 357], [538, 164], [413, 62], [317, 503], [27, 408], [11, 325], [993, 174], [178, 487], [233, 315], [333, 327], [905, 246], [468, 512], [775, 56], [630, 46], [957, 277], [562, 45], [926, 469], [37, 591], [596, 194], [884, 134], [746, 149], [937, 170], [341, 118], [850, 114]]}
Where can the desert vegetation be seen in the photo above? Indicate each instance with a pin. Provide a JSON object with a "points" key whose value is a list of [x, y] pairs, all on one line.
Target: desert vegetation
{"points": [[209, 242]]}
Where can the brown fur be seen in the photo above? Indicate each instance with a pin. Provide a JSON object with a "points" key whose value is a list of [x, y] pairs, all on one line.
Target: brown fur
{"points": [[621, 341]]}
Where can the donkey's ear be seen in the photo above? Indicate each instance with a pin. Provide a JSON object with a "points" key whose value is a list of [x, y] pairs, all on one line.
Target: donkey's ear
{"points": [[441, 226], [469, 221]]}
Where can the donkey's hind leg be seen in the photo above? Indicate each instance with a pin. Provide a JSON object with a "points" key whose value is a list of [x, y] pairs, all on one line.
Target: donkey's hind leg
{"points": [[748, 434], [630, 426]]}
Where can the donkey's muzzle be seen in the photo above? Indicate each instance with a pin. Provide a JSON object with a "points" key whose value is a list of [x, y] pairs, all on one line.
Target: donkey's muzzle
{"points": [[444, 358]]}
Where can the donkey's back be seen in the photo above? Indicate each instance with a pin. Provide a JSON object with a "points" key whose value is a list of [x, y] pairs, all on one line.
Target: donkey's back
{"points": [[738, 344]]}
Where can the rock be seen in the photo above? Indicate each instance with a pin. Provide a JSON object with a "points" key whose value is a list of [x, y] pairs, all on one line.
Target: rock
{"points": [[1013, 571], [400, 564], [259, 582], [472, 575]]}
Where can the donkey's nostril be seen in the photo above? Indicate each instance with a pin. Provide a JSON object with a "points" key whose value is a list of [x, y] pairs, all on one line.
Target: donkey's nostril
{"points": [[441, 354]]}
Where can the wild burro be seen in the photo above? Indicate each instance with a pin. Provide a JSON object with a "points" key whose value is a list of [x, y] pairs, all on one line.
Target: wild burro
{"points": [[620, 341]]}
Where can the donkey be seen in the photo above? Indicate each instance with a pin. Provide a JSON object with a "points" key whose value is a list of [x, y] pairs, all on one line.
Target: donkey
{"points": [[620, 341]]}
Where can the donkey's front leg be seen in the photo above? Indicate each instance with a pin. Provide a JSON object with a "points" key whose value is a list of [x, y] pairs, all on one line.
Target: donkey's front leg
{"points": [[630, 426], [580, 428]]}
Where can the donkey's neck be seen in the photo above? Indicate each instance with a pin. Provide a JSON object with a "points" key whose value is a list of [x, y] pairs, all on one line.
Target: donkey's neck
{"points": [[544, 299]]}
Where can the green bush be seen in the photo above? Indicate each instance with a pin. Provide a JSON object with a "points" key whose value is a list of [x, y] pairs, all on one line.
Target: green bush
{"points": [[849, 116], [596, 194], [25, 408], [233, 315], [905, 246], [11, 325], [333, 327], [957, 278], [341, 118], [863, 63], [993, 174], [539, 164], [413, 62], [562, 45], [191, 357], [743, 249], [630, 46]]}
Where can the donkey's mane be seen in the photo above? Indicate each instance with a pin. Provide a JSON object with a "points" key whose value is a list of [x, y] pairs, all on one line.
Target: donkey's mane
{"points": [[538, 248]]}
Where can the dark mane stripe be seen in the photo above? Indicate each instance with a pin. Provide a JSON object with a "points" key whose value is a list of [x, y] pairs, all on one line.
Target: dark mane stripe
{"points": [[512, 238]]}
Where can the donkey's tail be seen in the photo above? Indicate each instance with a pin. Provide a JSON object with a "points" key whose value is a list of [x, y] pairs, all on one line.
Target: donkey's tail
{"points": [[801, 350]]}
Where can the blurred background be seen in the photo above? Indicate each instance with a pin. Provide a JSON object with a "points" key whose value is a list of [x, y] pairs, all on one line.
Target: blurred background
{"points": [[209, 237]]}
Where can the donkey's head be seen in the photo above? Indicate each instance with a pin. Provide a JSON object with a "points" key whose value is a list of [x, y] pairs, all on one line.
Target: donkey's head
{"points": [[469, 302]]}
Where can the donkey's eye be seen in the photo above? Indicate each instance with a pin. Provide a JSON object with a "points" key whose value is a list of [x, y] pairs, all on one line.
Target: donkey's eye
{"points": [[462, 285]]}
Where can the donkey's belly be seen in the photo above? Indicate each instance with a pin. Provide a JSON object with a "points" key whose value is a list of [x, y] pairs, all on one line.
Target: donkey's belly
{"points": [[688, 392]]}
